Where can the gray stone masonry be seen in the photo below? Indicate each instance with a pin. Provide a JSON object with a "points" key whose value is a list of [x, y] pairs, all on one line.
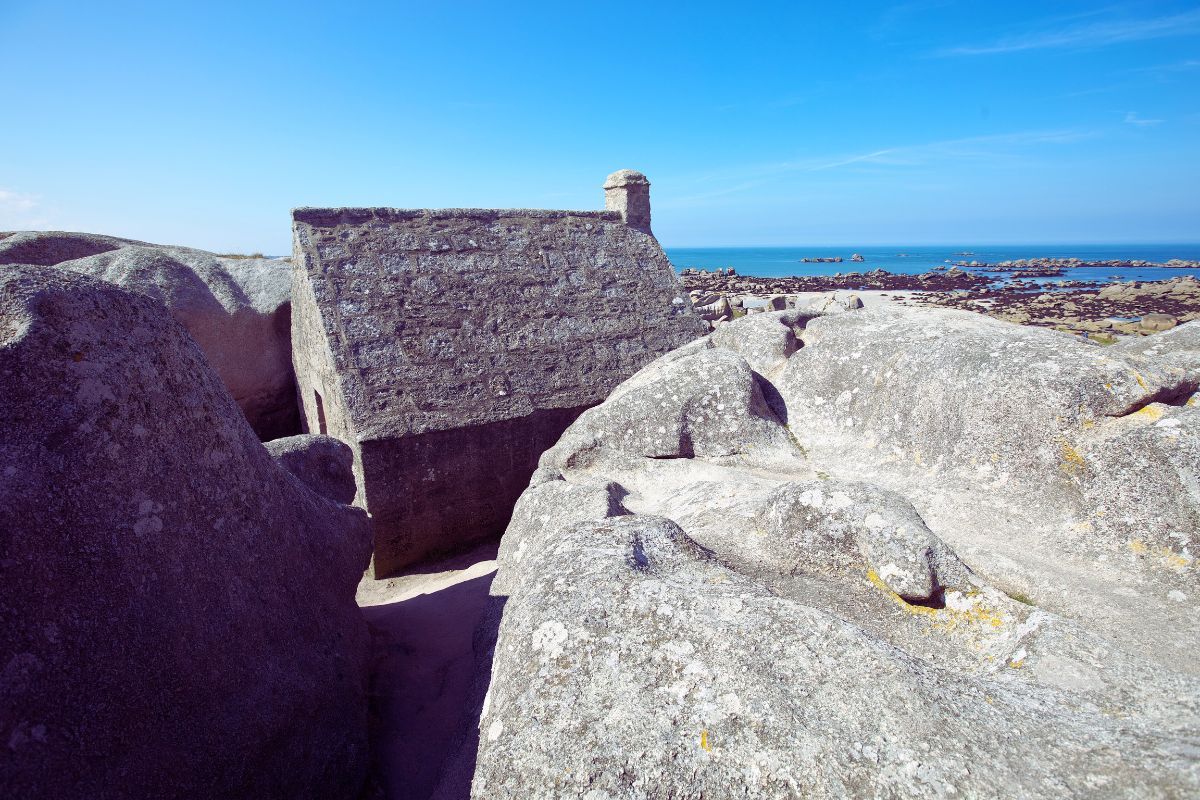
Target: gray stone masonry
{"points": [[627, 192], [451, 347]]}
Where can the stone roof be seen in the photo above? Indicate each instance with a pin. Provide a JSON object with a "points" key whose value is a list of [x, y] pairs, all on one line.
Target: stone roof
{"points": [[353, 216], [439, 319]]}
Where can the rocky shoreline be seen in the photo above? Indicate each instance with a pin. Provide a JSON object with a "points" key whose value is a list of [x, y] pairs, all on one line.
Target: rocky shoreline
{"points": [[1079, 263], [1133, 308], [729, 282], [1095, 309]]}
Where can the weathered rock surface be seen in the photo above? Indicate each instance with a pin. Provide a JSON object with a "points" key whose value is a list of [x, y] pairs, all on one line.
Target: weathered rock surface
{"points": [[451, 347], [177, 613], [237, 309], [322, 463], [920, 554], [1022, 420]]}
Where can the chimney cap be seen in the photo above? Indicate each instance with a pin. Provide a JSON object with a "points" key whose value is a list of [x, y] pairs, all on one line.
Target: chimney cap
{"points": [[626, 177]]}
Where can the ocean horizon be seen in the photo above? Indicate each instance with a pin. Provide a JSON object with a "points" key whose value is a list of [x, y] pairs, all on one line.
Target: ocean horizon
{"points": [[779, 262]]}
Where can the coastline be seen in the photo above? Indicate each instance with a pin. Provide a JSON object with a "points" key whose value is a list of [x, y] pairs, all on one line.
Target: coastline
{"points": [[1085, 262], [1103, 312]]}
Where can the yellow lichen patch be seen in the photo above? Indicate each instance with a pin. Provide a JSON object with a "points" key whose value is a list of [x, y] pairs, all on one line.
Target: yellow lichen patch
{"points": [[1089, 423], [943, 619], [1150, 413], [1164, 556], [1017, 664], [995, 458], [704, 745], [1073, 462], [1114, 712], [1175, 560], [1191, 401], [1141, 381]]}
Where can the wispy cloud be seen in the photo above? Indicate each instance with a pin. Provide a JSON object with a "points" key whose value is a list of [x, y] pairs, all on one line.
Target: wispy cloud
{"points": [[971, 147], [1187, 65], [19, 211], [1092, 34], [473, 105], [1137, 77], [1132, 118], [14, 201], [899, 16], [1162, 70], [989, 148], [698, 198]]}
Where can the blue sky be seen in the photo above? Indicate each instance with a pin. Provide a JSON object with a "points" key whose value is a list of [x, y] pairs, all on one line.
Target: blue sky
{"points": [[757, 123]]}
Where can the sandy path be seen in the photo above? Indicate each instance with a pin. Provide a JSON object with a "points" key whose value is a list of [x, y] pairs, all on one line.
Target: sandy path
{"points": [[423, 666]]}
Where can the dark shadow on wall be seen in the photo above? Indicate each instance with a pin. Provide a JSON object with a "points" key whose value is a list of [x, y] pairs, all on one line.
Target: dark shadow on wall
{"points": [[431, 668], [282, 419], [438, 493]]}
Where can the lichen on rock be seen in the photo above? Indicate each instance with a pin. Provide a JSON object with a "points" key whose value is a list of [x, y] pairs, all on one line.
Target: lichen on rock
{"points": [[909, 553]]}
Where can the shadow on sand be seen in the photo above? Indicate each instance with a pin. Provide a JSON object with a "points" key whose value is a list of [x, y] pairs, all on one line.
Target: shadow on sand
{"points": [[432, 662]]}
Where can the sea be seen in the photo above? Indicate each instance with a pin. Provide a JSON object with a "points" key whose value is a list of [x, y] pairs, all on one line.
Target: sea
{"points": [[775, 262]]}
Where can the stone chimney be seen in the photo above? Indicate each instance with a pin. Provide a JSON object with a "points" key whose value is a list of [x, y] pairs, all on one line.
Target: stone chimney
{"points": [[628, 191]]}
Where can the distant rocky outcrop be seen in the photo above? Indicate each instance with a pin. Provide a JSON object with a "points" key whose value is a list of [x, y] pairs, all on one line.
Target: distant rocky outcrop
{"points": [[1129, 308], [718, 283], [1111, 263], [237, 309], [1082, 307], [872, 553], [178, 611]]}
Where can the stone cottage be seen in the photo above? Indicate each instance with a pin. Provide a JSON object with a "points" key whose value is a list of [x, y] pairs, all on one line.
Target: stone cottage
{"points": [[451, 347]]}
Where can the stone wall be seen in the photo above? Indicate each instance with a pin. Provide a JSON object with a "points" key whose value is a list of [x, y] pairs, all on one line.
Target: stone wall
{"points": [[451, 347]]}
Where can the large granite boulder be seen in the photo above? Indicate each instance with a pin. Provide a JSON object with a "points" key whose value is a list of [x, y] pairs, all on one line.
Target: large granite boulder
{"points": [[322, 463], [178, 611], [1041, 453], [960, 566], [237, 309]]}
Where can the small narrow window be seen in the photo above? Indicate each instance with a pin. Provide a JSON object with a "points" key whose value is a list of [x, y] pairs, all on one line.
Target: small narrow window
{"points": [[321, 413]]}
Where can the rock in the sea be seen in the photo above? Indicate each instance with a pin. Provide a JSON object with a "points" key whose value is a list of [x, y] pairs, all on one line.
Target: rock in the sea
{"points": [[237, 309], [917, 556], [178, 611], [1157, 322]]}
